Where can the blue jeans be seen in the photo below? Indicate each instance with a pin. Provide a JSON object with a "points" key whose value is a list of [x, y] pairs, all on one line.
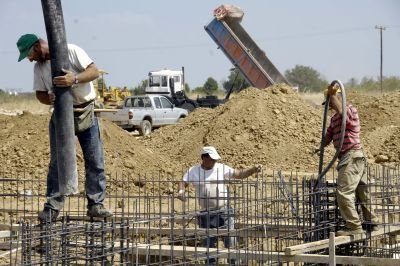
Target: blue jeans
{"points": [[95, 182], [222, 219]]}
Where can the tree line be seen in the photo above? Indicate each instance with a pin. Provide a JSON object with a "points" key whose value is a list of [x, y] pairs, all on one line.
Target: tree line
{"points": [[307, 79]]}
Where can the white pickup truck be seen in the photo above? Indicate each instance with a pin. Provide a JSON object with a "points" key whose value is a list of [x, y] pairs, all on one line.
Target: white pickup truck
{"points": [[145, 112]]}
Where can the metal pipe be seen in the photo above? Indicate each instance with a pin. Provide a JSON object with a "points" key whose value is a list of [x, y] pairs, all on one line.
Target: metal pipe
{"points": [[342, 129], [63, 106]]}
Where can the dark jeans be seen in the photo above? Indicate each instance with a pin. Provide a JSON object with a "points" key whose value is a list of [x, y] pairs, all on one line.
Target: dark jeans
{"points": [[95, 182], [222, 219]]}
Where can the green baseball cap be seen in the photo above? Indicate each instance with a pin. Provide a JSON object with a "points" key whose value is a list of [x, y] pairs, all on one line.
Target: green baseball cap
{"points": [[24, 43]]}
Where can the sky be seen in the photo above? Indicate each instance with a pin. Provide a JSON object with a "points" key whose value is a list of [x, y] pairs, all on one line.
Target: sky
{"points": [[130, 38]]}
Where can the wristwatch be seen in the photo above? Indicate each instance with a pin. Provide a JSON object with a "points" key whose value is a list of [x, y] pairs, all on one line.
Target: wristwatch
{"points": [[76, 79]]}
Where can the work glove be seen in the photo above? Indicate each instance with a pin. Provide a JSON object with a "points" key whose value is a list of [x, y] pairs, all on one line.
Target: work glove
{"points": [[182, 195], [332, 90], [257, 168]]}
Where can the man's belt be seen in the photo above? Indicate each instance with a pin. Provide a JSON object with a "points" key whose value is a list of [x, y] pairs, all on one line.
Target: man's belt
{"points": [[83, 105]]}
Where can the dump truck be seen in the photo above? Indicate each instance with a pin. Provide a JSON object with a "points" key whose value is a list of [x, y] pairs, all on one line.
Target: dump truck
{"points": [[227, 32]]}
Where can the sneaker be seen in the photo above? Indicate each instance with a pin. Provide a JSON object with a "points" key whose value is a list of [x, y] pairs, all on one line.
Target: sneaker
{"points": [[48, 215], [349, 232], [98, 211]]}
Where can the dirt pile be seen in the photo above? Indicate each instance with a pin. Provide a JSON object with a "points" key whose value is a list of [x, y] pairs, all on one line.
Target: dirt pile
{"points": [[273, 127], [380, 120], [25, 146]]}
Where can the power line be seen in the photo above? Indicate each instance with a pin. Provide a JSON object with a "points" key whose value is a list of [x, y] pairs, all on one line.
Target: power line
{"points": [[318, 34], [192, 45]]}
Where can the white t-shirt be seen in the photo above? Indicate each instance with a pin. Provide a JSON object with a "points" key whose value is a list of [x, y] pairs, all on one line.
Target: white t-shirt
{"points": [[79, 61], [210, 184]]}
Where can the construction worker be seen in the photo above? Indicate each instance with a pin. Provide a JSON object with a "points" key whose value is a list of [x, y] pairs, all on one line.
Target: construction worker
{"points": [[352, 167], [209, 180], [79, 78]]}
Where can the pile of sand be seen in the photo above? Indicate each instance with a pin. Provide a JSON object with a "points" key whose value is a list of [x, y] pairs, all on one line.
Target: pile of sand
{"points": [[273, 127]]}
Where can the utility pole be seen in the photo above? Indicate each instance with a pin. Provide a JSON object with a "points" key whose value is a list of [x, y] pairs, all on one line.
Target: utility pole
{"points": [[381, 28]]}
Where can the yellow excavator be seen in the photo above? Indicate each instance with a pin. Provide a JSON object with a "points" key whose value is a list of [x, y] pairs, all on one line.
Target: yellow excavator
{"points": [[109, 97]]}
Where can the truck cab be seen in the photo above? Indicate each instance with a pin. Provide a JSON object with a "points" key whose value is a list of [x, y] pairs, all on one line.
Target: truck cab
{"points": [[165, 81], [171, 84]]}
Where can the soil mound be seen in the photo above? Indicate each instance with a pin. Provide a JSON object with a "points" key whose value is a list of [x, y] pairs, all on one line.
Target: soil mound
{"points": [[274, 127]]}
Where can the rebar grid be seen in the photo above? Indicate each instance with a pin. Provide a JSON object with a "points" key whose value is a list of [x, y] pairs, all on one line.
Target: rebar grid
{"points": [[152, 227]]}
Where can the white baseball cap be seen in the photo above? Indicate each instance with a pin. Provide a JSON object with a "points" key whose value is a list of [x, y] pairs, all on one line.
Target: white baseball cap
{"points": [[210, 150]]}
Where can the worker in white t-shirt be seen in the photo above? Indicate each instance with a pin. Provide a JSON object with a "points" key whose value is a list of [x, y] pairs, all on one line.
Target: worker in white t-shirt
{"points": [[209, 179], [78, 78]]}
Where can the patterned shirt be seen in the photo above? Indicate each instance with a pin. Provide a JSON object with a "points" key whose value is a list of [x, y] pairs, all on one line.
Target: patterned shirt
{"points": [[352, 139]]}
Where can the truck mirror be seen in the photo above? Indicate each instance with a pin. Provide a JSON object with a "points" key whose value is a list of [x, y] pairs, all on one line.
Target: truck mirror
{"points": [[172, 85]]}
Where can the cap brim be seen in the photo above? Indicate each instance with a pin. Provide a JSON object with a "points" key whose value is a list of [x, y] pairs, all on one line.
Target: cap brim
{"points": [[214, 156], [23, 55]]}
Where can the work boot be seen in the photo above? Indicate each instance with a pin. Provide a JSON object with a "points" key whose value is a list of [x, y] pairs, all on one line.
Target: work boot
{"points": [[372, 227], [48, 215], [98, 211], [348, 232], [375, 227]]}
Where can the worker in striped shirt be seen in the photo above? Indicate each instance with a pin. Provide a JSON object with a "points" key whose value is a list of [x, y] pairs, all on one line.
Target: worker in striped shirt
{"points": [[352, 168]]}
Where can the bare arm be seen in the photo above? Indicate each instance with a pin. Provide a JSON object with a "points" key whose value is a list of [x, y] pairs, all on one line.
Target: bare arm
{"points": [[336, 104], [89, 74], [181, 193], [240, 174], [183, 185]]}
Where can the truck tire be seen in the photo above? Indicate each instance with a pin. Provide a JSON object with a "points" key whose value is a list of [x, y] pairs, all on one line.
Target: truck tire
{"points": [[188, 106], [145, 128], [180, 119]]}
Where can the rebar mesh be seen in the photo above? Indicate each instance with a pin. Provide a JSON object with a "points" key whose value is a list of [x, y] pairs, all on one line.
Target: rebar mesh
{"points": [[151, 226]]}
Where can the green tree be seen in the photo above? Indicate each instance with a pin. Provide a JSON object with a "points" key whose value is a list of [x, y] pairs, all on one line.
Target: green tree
{"points": [[352, 83], [391, 83], [307, 78], [140, 88], [187, 88], [210, 86], [235, 81], [368, 84], [198, 90]]}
